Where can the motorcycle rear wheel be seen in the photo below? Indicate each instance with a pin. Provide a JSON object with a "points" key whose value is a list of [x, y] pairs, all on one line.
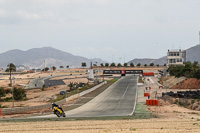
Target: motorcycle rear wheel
{"points": [[58, 113]]}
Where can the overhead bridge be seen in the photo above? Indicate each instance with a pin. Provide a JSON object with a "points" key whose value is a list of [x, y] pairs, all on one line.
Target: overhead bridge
{"points": [[123, 72]]}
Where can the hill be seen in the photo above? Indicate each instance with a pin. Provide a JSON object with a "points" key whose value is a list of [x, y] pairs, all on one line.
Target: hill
{"points": [[34, 58], [192, 54]]}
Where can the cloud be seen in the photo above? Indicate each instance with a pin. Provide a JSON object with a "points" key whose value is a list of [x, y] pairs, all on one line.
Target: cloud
{"points": [[109, 49], [28, 15], [2, 13], [2, 1]]}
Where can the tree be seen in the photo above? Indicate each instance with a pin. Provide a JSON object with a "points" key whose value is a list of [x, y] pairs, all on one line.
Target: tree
{"points": [[197, 74], [11, 68], [157, 65], [94, 65], [19, 93], [113, 64], [107, 64], [131, 64], [138, 64], [119, 64], [84, 64], [67, 67], [45, 69], [125, 64], [165, 65], [102, 64], [145, 65], [194, 68], [190, 70], [2, 92], [54, 68], [151, 64], [61, 67]]}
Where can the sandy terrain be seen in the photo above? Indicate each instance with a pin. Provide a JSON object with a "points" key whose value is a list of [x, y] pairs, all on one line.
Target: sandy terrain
{"points": [[127, 126], [169, 118]]}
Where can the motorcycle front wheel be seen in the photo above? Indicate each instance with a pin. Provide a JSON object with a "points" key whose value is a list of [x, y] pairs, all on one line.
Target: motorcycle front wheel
{"points": [[64, 115]]}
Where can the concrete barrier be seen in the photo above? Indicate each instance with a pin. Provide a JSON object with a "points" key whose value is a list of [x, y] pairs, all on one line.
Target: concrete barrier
{"points": [[20, 110], [92, 89]]}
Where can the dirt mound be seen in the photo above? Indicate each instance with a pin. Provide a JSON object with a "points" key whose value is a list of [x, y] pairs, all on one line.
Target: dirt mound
{"points": [[170, 81], [190, 83]]}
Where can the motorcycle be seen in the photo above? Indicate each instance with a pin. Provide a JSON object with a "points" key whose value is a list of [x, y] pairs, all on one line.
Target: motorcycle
{"points": [[59, 112]]}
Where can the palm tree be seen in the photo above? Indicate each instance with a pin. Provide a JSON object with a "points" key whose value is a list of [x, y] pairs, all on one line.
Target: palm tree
{"points": [[11, 68]]}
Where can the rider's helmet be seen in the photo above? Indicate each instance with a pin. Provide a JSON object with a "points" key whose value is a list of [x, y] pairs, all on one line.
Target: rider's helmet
{"points": [[53, 104]]}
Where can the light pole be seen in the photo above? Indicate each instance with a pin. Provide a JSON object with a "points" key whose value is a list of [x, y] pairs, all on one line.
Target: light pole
{"points": [[96, 72]]}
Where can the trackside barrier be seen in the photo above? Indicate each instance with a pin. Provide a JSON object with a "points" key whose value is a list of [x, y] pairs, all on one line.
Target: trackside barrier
{"points": [[146, 94], [151, 102], [148, 74]]}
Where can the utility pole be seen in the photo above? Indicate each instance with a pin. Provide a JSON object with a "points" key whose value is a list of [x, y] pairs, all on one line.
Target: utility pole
{"points": [[44, 64]]}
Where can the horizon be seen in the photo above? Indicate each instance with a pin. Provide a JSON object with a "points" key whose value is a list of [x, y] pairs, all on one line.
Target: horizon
{"points": [[86, 57]]}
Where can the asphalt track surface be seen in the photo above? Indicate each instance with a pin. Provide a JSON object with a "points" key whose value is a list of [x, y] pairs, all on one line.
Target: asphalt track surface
{"points": [[49, 82], [39, 82], [118, 100]]}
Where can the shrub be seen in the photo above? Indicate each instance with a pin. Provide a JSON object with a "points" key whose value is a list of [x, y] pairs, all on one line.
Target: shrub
{"points": [[19, 93], [2, 92]]}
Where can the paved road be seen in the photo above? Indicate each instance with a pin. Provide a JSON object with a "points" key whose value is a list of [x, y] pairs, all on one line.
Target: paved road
{"points": [[39, 82], [118, 100], [49, 82]]}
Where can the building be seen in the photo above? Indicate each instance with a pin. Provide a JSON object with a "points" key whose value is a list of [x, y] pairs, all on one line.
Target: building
{"points": [[176, 57]]}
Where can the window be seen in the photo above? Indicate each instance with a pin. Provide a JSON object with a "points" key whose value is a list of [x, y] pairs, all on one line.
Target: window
{"points": [[172, 61]]}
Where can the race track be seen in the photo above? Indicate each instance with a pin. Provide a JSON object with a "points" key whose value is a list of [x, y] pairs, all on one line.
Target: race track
{"points": [[118, 100]]}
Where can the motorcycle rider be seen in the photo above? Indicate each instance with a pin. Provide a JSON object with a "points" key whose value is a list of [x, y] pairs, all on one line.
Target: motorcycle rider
{"points": [[55, 105]]}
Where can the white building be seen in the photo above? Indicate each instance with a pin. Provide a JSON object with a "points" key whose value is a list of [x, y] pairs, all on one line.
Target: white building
{"points": [[176, 57]]}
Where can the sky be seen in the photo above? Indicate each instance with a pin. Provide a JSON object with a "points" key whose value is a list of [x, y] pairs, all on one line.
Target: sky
{"points": [[113, 30]]}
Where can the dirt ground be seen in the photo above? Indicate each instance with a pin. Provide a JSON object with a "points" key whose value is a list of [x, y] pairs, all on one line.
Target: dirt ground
{"points": [[37, 96], [156, 125], [168, 118], [190, 83]]}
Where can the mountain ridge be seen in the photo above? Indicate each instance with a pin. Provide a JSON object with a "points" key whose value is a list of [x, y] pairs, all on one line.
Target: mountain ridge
{"points": [[35, 57], [192, 54]]}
